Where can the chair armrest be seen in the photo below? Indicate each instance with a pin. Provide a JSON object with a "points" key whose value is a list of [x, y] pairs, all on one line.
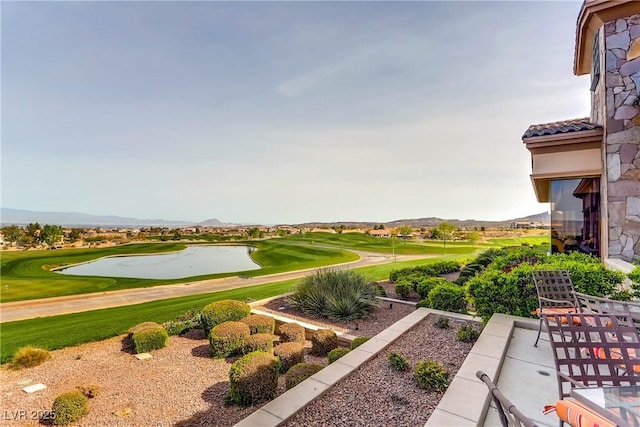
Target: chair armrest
{"points": [[556, 301], [573, 382]]}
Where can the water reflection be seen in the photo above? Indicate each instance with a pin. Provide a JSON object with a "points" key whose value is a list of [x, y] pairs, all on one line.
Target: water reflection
{"points": [[193, 261]]}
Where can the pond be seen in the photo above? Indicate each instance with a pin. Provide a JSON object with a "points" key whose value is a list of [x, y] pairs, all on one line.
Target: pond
{"points": [[193, 261]]}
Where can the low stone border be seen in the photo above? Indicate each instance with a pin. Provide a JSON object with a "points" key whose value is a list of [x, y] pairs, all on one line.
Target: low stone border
{"points": [[286, 405]]}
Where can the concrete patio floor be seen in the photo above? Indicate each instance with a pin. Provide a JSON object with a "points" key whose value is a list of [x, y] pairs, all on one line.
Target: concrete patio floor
{"points": [[527, 378]]}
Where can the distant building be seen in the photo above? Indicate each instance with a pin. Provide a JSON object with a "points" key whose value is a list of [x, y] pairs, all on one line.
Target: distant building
{"points": [[380, 233]]}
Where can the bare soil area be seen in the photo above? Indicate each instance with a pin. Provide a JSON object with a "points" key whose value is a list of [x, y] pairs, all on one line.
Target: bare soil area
{"points": [[179, 386]]}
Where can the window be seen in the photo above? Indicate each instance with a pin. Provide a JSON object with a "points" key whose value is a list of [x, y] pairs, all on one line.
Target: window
{"points": [[575, 215], [595, 62]]}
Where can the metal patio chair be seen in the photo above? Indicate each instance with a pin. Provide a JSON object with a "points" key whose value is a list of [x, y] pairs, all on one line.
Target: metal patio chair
{"points": [[509, 415], [598, 350], [556, 295]]}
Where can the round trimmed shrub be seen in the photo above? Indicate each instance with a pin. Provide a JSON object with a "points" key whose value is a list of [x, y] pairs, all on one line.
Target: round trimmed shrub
{"points": [[228, 338], [337, 353], [29, 356], [260, 324], [323, 341], [448, 297], [149, 339], [142, 326], [467, 333], [427, 284], [301, 372], [292, 332], [358, 341], [69, 407], [222, 311], [403, 289], [397, 362], [290, 353], [259, 342], [253, 378], [431, 375]]}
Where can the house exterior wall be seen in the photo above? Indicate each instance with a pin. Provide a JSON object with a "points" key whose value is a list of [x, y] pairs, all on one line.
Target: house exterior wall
{"points": [[620, 55]]}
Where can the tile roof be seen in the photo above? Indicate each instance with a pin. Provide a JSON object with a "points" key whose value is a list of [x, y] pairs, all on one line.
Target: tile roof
{"points": [[564, 126]]}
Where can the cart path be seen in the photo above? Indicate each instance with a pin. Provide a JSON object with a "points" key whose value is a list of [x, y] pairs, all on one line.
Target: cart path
{"points": [[29, 309]]}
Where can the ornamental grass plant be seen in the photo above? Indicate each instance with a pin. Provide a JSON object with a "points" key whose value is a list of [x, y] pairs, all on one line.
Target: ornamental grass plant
{"points": [[335, 294]]}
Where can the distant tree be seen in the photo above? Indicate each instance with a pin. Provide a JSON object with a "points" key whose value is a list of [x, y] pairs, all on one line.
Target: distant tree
{"points": [[12, 233], [473, 237], [75, 234], [281, 232], [32, 232], [176, 234], [405, 230], [254, 232], [446, 232], [51, 234], [483, 229]]}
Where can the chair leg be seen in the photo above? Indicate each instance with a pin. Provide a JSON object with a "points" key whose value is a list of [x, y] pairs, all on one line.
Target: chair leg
{"points": [[539, 330]]}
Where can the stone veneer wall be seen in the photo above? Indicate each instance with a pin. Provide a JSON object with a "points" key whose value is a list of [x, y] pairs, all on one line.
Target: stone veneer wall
{"points": [[622, 133]]}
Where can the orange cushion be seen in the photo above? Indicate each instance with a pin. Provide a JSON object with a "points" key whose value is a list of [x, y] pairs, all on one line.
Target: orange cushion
{"points": [[616, 353], [577, 415]]}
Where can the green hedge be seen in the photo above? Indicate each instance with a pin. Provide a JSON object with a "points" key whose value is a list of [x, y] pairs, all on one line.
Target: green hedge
{"points": [[507, 287], [337, 353], [228, 338], [292, 332], [222, 311], [426, 270], [301, 372], [259, 342], [152, 338], [448, 297], [290, 354], [69, 407], [260, 323], [253, 378], [634, 276], [323, 341]]}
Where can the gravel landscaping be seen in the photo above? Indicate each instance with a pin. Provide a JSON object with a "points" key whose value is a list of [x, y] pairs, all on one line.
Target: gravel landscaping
{"points": [[376, 395], [182, 386], [179, 385]]}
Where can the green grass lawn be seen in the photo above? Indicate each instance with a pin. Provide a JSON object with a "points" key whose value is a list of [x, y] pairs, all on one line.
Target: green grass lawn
{"points": [[367, 243], [25, 274], [77, 328]]}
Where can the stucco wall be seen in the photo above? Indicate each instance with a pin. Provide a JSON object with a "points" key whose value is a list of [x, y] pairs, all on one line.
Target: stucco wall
{"points": [[621, 53]]}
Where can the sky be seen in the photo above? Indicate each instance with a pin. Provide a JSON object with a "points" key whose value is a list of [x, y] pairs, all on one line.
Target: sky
{"points": [[281, 112]]}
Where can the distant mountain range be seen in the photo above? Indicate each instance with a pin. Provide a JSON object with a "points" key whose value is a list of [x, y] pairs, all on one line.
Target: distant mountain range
{"points": [[22, 217], [430, 222], [10, 216]]}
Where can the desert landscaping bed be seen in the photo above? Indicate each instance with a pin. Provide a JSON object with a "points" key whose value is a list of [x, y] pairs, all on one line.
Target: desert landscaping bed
{"points": [[179, 386], [376, 395]]}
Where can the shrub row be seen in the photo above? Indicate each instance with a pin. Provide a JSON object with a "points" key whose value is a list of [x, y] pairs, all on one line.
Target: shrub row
{"points": [[222, 311], [425, 270], [506, 285]]}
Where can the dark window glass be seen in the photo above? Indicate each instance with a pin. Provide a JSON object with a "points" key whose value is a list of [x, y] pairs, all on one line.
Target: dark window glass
{"points": [[595, 63], [575, 215]]}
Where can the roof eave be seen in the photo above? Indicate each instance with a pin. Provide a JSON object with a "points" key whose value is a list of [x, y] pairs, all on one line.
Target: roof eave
{"points": [[593, 15]]}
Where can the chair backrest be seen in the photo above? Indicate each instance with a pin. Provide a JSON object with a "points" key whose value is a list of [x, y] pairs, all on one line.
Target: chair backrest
{"points": [[628, 310], [593, 350], [510, 416], [554, 288]]}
